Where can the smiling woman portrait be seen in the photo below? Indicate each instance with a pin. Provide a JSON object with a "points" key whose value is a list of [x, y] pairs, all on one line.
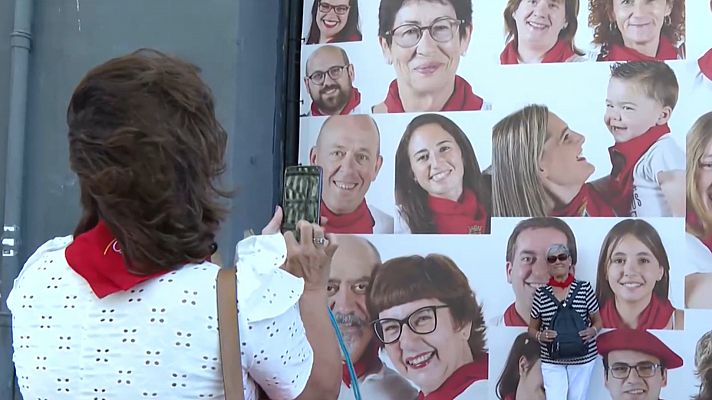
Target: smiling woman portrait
{"points": [[540, 31], [334, 21], [633, 280], [538, 169], [638, 30], [439, 186], [424, 41], [428, 319]]}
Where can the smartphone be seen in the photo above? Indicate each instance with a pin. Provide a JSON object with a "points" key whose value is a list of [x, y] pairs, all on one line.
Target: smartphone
{"points": [[301, 195]]}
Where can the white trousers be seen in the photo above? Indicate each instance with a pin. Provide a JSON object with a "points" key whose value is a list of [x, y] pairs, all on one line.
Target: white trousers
{"points": [[567, 382]]}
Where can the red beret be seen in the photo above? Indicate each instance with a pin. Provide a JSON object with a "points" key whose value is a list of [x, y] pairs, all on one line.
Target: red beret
{"points": [[638, 340]]}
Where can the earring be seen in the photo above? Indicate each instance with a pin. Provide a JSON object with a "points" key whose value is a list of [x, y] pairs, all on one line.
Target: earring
{"points": [[566, 25], [668, 20], [612, 26]]}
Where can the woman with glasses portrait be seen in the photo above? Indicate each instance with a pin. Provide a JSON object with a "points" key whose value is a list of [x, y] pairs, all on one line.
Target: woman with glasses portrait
{"points": [[633, 279], [424, 41], [334, 21], [566, 374], [429, 322], [541, 31]]}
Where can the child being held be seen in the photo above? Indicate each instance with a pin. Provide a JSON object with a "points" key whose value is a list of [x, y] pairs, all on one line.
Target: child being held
{"points": [[648, 174]]}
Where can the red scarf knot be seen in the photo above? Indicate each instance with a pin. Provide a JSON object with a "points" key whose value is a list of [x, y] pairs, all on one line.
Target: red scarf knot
{"points": [[466, 216], [560, 52], [358, 221], [566, 283], [618, 52], [588, 202], [655, 315], [462, 98]]}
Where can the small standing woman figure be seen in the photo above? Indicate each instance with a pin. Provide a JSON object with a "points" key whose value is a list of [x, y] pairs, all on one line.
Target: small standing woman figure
{"points": [[633, 279], [638, 30], [567, 377], [439, 186]]}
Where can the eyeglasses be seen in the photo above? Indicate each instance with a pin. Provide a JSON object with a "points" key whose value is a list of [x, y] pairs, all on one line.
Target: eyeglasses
{"points": [[326, 7], [334, 73], [442, 30], [421, 321], [645, 369], [561, 257]]}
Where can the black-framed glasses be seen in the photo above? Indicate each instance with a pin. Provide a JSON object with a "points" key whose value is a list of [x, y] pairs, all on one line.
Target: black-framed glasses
{"points": [[421, 321], [645, 369], [339, 10], [442, 30], [560, 257], [334, 73]]}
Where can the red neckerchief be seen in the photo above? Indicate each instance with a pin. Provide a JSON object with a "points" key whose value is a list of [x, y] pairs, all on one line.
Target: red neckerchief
{"points": [[462, 98], [95, 255], [358, 221], [694, 221], [352, 37], [655, 315], [560, 52], [566, 283], [368, 363], [705, 63], [588, 202], [624, 156], [460, 380], [465, 216], [510, 397], [618, 52], [354, 101], [512, 317]]}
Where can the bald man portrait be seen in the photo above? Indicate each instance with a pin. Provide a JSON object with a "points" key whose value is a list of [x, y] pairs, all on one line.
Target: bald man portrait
{"points": [[349, 152], [351, 269], [329, 78]]}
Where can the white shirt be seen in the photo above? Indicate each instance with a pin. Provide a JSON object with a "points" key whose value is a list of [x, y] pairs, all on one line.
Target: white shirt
{"points": [[159, 339], [476, 391], [383, 223], [386, 384], [648, 198]]}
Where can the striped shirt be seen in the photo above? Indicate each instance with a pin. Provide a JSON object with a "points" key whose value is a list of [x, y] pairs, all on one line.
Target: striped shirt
{"points": [[585, 303]]}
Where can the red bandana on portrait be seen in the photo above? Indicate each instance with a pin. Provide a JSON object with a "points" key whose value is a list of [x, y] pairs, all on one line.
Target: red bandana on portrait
{"points": [[624, 157], [705, 63], [462, 98], [588, 202], [561, 52], [358, 221], [459, 217], [368, 363], [459, 381], [512, 317], [618, 52], [655, 315], [96, 256], [354, 101]]}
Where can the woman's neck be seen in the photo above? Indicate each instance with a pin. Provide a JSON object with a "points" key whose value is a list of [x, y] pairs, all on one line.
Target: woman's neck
{"points": [[561, 278], [452, 195], [650, 49], [416, 101], [324, 39], [629, 311], [528, 54], [560, 196]]}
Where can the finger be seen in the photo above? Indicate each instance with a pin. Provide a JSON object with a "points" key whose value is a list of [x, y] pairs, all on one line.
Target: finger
{"points": [[323, 221], [275, 223], [306, 234], [333, 244]]}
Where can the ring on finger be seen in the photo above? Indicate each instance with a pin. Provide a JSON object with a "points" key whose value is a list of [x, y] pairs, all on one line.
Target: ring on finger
{"points": [[319, 241]]}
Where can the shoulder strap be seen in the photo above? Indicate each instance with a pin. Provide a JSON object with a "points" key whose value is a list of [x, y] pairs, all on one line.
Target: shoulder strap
{"points": [[570, 304], [229, 335]]}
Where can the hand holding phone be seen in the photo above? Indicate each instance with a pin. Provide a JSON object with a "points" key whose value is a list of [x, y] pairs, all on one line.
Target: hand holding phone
{"points": [[301, 196]]}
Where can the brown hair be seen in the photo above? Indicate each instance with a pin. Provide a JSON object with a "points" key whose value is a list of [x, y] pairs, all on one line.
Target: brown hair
{"points": [[351, 28], [412, 198], [405, 279], [703, 366], [643, 231], [697, 140], [656, 78], [523, 346], [567, 34], [542, 223], [388, 9], [146, 146], [605, 32]]}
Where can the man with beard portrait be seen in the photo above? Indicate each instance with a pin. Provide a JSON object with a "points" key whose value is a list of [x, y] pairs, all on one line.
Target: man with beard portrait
{"points": [[329, 79], [348, 286]]}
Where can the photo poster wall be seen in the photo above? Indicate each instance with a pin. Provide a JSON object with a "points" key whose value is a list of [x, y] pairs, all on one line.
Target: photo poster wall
{"points": [[429, 145]]}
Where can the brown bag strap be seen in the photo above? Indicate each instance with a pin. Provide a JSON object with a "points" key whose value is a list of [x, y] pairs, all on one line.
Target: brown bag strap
{"points": [[230, 358]]}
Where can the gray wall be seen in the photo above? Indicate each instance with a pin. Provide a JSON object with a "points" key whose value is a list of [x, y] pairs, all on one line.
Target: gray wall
{"points": [[236, 43]]}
